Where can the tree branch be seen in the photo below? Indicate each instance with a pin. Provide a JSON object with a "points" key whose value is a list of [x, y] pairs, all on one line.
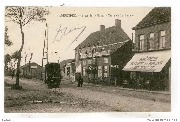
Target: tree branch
{"points": [[11, 8], [29, 20], [14, 20]]}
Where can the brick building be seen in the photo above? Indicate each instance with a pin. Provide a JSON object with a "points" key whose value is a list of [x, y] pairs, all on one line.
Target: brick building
{"points": [[102, 55], [31, 70], [151, 64]]}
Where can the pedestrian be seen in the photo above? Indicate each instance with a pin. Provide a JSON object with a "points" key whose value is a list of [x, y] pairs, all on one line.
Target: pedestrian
{"points": [[12, 74], [81, 82]]}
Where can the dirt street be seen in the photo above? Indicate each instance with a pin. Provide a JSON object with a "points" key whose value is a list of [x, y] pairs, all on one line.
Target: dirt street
{"points": [[36, 97]]}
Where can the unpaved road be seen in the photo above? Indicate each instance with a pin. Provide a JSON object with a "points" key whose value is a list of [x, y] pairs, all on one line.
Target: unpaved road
{"points": [[119, 102], [36, 98], [103, 100]]}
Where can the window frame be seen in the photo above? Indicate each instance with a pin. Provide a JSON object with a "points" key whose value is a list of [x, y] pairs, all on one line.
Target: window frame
{"points": [[84, 62], [141, 42], [105, 71], [105, 60], [84, 71], [162, 39], [151, 41], [99, 71], [89, 61]]}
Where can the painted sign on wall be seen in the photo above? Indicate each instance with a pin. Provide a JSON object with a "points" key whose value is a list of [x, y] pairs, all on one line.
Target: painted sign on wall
{"points": [[148, 62]]}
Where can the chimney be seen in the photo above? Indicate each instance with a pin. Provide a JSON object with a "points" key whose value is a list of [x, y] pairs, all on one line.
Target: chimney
{"points": [[102, 27], [118, 23]]}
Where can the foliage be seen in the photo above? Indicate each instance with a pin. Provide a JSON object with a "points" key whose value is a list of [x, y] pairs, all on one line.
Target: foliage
{"points": [[23, 16], [15, 55], [7, 58], [6, 37]]}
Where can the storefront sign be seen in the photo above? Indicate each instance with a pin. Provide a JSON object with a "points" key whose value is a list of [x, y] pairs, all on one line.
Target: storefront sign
{"points": [[115, 66], [33, 67], [148, 62]]}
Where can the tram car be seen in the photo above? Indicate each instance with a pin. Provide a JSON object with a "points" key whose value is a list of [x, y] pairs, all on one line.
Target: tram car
{"points": [[53, 75]]}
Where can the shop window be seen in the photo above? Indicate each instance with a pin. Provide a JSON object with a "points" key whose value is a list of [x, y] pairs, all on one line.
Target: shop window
{"points": [[84, 62], [68, 70], [105, 71], [105, 60], [84, 71], [89, 61], [94, 61], [151, 41], [141, 42], [99, 71], [80, 56], [162, 39]]}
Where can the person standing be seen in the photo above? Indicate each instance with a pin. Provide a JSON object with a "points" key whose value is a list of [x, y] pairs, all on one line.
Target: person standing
{"points": [[12, 74], [81, 81]]}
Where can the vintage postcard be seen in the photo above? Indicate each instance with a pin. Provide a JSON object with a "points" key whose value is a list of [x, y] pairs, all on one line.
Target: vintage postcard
{"points": [[87, 59]]}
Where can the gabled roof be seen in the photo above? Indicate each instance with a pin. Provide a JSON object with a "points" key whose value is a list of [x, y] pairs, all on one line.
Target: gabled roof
{"points": [[157, 15], [108, 36], [32, 64], [65, 62]]}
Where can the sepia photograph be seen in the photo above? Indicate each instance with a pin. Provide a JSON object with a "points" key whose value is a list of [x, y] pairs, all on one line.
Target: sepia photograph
{"points": [[87, 59]]}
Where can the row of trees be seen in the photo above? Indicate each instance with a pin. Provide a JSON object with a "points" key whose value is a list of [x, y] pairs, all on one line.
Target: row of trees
{"points": [[22, 16]]}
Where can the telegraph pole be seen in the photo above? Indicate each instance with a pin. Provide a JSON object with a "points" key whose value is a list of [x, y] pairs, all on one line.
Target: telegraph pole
{"points": [[47, 42], [45, 47]]}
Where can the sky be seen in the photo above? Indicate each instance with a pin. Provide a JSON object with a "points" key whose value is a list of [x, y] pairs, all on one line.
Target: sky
{"points": [[87, 21]]}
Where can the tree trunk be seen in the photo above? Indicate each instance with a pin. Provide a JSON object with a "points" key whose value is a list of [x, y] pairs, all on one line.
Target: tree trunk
{"points": [[18, 69], [19, 56]]}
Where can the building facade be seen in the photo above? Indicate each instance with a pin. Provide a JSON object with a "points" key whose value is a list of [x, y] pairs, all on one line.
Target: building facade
{"points": [[31, 70], [150, 67], [68, 69], [102, 55]]}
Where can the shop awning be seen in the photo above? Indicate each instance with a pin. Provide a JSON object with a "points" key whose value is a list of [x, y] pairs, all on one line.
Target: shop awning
{"points": [[148, 61]]}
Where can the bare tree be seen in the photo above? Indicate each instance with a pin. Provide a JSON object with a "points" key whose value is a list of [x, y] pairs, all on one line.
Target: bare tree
{"points": [[23, 16]]}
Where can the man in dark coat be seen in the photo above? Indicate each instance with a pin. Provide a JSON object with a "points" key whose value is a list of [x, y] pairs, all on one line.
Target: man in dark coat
{"points": [[80, 81], [13, 73]]}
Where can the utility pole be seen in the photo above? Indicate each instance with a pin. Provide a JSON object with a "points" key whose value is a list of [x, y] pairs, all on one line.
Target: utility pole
{"points": [[30, 65], [25, 57], [47, 42], [45, 50]]}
